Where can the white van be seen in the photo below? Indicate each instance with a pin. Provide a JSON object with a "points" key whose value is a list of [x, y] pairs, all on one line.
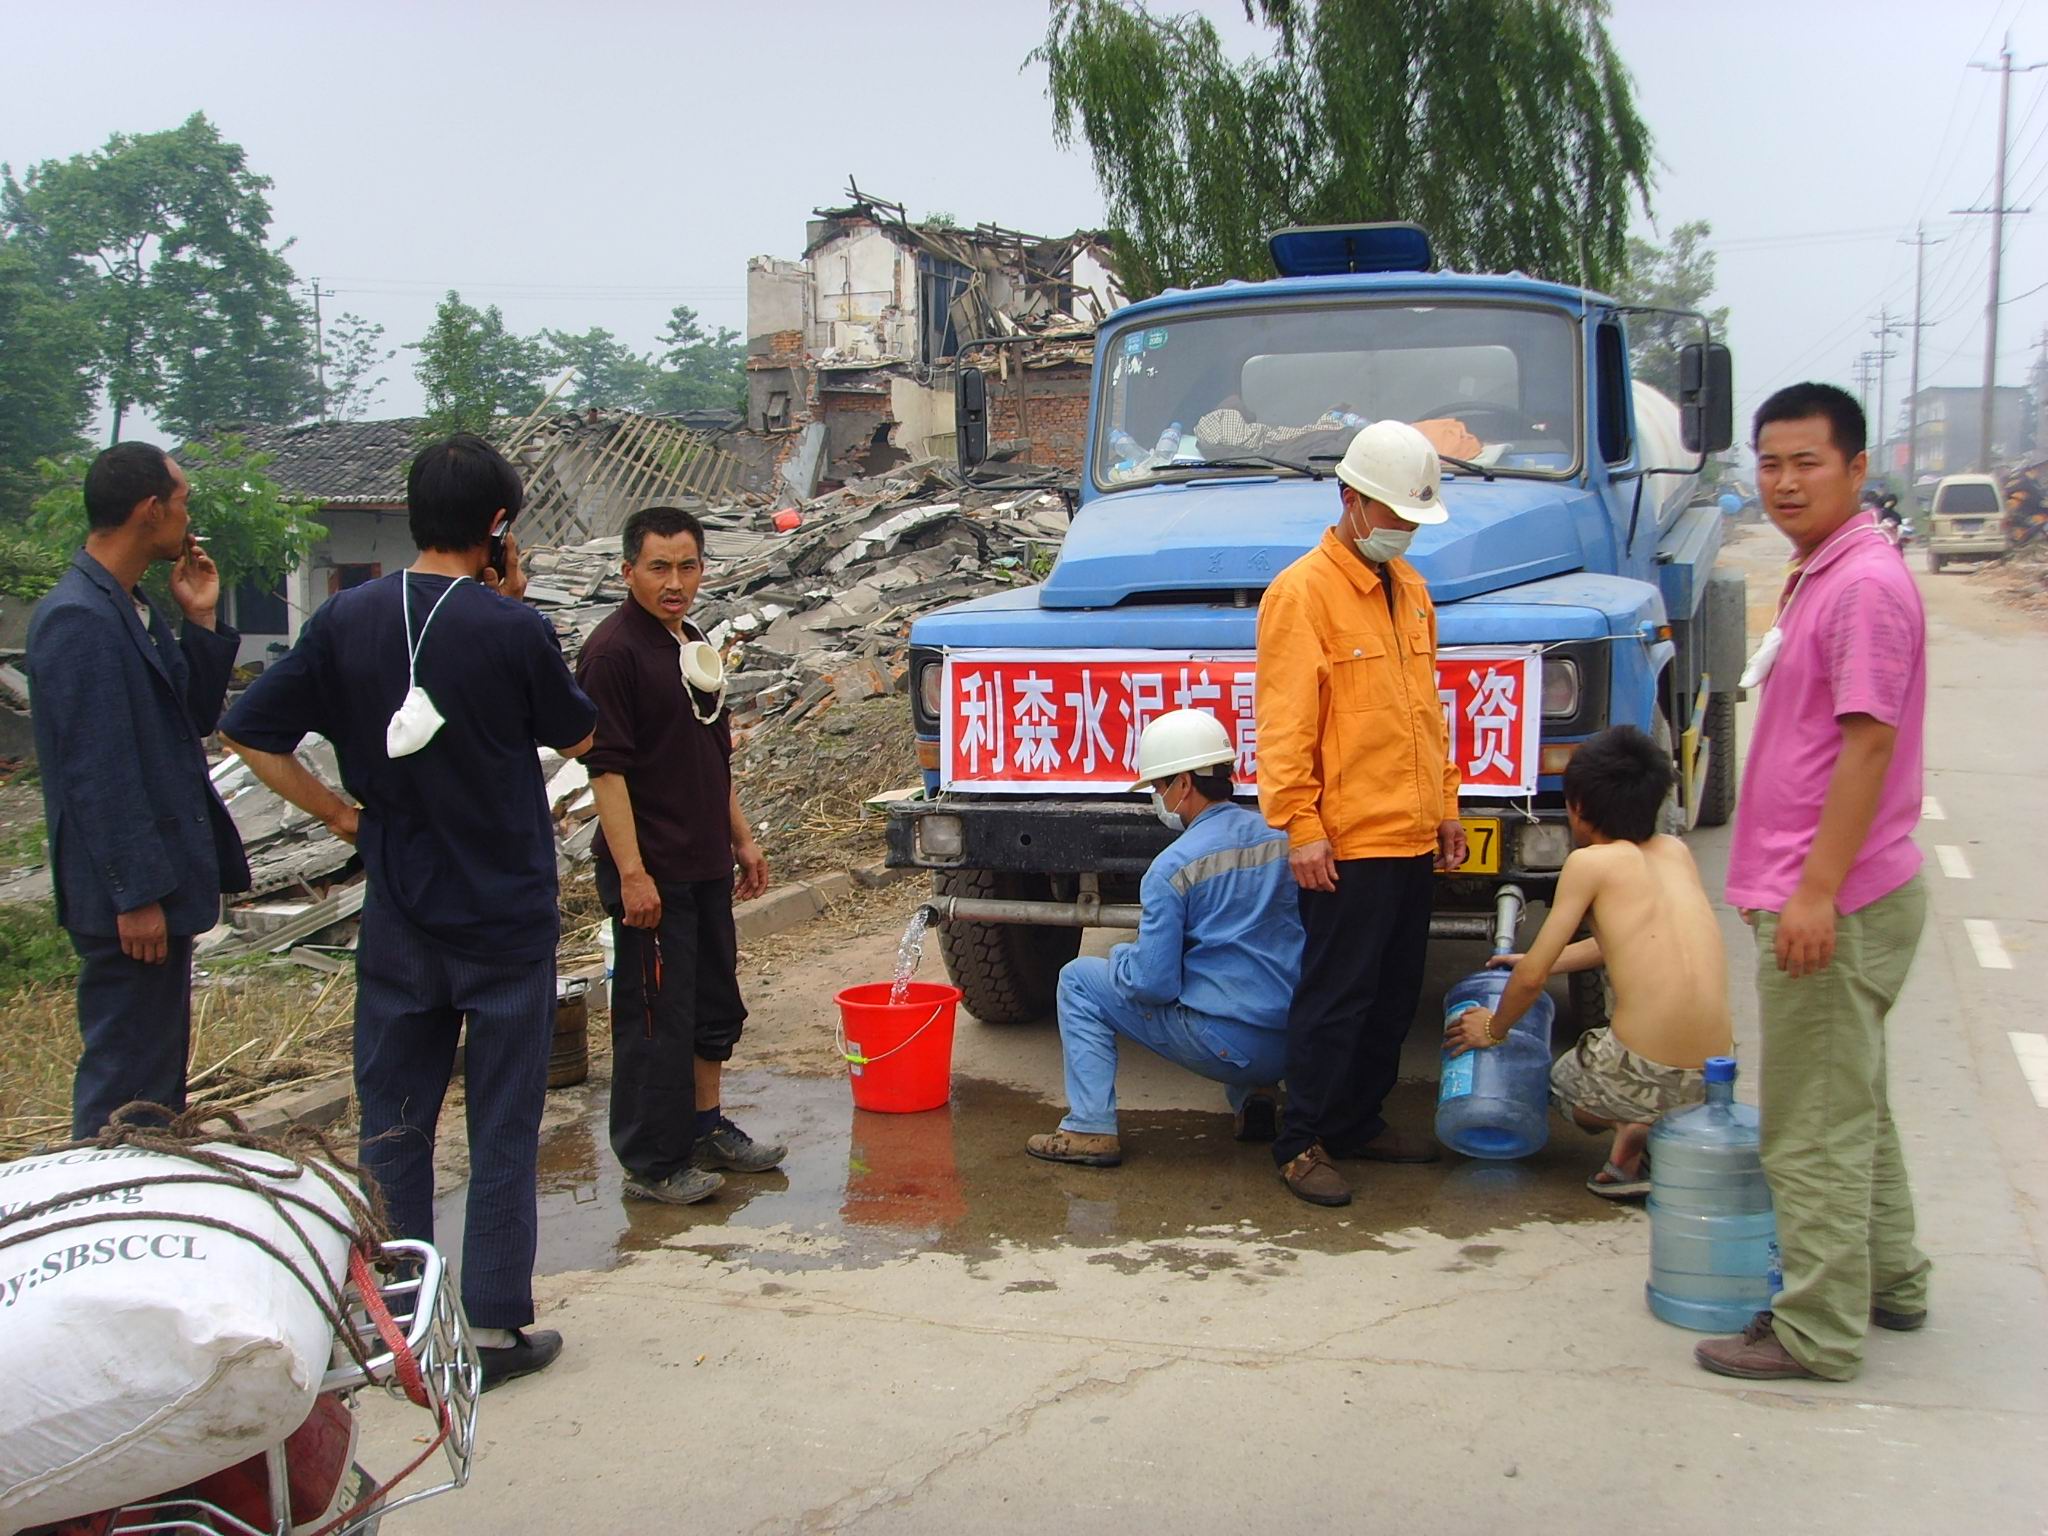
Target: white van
{"points": [[1967, 520]]}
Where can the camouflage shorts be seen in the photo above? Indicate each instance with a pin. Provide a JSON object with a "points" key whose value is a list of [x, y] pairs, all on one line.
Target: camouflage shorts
{"points": [[1609, 1082]]}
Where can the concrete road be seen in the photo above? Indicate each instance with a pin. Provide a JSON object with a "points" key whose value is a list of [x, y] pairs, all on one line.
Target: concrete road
{"points": [[918, 1329]]}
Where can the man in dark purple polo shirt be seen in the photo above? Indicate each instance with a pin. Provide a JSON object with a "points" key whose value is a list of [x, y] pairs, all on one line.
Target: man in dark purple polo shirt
{"points": [[670, 833]]}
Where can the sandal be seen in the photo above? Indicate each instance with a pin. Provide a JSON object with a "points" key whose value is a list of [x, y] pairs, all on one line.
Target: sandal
{"points": [[1614, 1183]]}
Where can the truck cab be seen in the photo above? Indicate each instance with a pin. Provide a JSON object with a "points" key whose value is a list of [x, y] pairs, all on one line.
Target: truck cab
{"points": [[1574, 583]]}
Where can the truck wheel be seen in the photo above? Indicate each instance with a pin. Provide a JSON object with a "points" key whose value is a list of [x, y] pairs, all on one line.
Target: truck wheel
{"points": [[1007, 973], [1717, 799], [1671, 815], [1933, 561], [1589, 999]]}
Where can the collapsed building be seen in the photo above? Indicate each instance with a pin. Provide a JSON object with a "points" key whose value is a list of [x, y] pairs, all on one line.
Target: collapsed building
{"points": [[852, 349]]}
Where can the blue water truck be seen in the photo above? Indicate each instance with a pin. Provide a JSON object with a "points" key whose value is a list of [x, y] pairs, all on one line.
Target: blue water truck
{"points": [[1575, 583]]}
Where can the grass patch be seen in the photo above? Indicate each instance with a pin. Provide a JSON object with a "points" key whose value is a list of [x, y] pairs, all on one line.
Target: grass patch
{"points": [[34, 951], [252, 1030]]}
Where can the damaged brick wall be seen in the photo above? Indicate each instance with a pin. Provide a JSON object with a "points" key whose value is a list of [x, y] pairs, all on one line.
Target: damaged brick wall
{"points": [[1045, 410]]}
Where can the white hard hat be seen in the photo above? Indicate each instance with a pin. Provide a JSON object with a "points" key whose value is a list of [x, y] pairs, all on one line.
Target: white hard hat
{"points": [[1392, 462], [1176, 742]]}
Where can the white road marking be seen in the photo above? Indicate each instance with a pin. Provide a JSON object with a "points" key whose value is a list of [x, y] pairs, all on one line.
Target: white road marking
{"points": [[1953, 864], [1930, 809], [2032, 1051], [1984, 939]]}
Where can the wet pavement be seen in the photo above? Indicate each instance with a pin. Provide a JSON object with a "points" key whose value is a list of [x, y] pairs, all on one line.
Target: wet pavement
{"points": [[861, 1189]]}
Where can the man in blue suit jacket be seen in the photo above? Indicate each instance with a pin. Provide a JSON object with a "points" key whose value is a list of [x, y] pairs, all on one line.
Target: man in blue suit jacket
{"points": [[141, 847]]}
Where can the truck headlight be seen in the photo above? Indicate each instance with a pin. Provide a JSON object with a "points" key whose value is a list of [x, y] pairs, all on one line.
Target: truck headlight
{"points": [[930, 679], [1560, 688], [939, 837], [1545, 845]]}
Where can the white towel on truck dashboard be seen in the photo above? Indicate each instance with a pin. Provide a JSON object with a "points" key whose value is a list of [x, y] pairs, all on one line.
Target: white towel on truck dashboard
{"points": [[143, 1349]]}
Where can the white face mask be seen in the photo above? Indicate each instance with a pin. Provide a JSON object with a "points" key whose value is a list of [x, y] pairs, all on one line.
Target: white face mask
{"points": [[1173, 819], [1384, 544], [416, 721]]}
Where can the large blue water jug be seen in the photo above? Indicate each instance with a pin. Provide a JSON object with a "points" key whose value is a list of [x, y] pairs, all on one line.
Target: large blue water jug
{"points": [[1496, 1102], [1713, 1239]]}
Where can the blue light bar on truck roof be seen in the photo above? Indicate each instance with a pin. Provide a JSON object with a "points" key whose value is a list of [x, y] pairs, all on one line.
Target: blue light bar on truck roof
{"points": [[1325, 250]]}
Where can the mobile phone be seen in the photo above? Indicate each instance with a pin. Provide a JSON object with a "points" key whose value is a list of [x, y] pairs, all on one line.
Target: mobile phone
{"points": [[495, 553]]}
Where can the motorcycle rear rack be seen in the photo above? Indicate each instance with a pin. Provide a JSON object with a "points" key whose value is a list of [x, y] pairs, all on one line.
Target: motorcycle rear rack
{"points": [[419, 1293]]}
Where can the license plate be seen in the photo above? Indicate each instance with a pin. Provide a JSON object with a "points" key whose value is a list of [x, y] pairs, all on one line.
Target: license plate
{"points": [[1482, 844], [1970, 525]]}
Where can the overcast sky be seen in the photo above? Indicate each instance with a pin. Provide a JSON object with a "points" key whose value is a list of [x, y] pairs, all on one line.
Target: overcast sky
{"points": [[597, 164]]}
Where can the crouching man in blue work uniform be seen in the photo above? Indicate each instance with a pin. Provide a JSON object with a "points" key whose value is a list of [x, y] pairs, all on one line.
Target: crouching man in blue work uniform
{"points": [[1209, 980]]}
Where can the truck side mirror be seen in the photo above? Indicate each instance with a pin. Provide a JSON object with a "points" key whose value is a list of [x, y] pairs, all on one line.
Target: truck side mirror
{"points": [[1706, 397], [970, 417]]}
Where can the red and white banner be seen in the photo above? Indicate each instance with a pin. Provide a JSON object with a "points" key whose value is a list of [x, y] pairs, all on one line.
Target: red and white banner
{"points": [[1027, 720]]}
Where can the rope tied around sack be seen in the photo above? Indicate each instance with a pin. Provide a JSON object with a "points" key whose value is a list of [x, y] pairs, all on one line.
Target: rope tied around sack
{"points": [[208, 1139]]}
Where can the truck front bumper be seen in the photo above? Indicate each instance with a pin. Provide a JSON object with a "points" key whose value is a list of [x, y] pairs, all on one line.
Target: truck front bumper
{"points": [[1082, 840]]}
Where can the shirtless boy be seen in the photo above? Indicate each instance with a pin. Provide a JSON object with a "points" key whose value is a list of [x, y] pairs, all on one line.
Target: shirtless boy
{"points": [[1654, 930]]}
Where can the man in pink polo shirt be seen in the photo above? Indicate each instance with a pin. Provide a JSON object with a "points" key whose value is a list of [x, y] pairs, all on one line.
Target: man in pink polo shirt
{"points": [[1824, 865]]}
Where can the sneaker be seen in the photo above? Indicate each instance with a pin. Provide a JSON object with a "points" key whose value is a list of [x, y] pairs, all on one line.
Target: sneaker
{"points": [[732, 1149], [527, 1353], [1258, 1117], [1314, 1178], [1898, 1322], [1090, 1151], [686, 1186], [1754, 1355]]}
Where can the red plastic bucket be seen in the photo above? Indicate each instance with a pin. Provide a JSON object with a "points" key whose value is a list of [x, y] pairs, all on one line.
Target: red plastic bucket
{"points": [[899, 1056]]}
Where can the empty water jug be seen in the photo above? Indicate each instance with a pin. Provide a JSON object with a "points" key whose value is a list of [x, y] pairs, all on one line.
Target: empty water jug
{"points": [[1496, 1102], [1713, 1239]]}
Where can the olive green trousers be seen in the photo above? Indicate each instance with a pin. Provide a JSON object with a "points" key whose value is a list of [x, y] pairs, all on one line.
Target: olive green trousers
{"points": [[1830, 1149]]}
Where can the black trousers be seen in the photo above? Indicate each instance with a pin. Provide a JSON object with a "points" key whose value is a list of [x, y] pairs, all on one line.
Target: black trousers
{"points": [[1364, 946], [413, 999], [135, 1025], [675, 1000]]}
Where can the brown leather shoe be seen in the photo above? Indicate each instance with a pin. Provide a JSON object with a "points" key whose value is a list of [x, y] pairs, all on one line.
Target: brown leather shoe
{"points": [[1754, 1355], [1076, 1147], [1392, 1146], [1314, 1178]]}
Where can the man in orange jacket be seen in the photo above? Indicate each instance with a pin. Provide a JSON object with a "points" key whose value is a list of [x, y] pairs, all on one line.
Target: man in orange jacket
{"points": [[1354, 768]]}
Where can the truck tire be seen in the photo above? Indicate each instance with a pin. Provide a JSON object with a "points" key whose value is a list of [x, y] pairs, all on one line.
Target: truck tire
{"points": [[1588, 998], [1933, 563], [1717, 799], [1007, 973]]}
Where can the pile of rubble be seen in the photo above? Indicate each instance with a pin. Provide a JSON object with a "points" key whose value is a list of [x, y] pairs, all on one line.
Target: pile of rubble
{"points": [[814, 622], [2019, 579], [823, 611]]}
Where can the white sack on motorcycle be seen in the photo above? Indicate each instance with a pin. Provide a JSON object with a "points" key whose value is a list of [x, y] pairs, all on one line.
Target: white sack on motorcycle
{"points": [[145, 1349]]}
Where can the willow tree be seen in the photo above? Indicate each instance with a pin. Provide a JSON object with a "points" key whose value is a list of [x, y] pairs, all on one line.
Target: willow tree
{"points": [[1507, 128]]}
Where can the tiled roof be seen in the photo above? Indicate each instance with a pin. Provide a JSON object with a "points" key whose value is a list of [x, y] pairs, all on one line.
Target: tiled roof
{"points": [[340, 463]]}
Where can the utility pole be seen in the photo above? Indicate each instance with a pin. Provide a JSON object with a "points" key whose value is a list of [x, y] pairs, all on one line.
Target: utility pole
{"points": [[1866, 373], [1998, 211], [320, 345], [1887, 328], [1919, 242]]}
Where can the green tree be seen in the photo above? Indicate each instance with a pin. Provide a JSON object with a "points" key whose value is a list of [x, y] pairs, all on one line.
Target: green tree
{"points": [[473, 369], [163, 242], [699, 370], [1507, 128], [250, 527], [355, 351], [609, 375], [45, 382], [1678, 275]]}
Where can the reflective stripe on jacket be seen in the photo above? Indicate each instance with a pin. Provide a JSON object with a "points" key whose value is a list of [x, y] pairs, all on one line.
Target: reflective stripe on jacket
{"points": [[1351, 733]]}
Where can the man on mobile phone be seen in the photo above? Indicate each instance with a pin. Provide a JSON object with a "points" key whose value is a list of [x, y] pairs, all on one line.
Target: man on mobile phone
{"points": [[435, 686], [141, 848]]}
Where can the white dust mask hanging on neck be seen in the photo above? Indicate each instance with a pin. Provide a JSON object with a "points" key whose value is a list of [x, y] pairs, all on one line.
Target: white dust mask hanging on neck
{"points": [[704, 672], [414, 723]]}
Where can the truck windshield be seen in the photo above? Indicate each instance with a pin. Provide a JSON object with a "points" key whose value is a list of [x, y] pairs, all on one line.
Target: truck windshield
{"points": [[1493, 384]]}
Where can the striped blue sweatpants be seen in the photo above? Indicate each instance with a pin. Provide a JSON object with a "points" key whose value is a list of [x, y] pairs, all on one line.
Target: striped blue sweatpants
{"points": [[412, 999]]}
